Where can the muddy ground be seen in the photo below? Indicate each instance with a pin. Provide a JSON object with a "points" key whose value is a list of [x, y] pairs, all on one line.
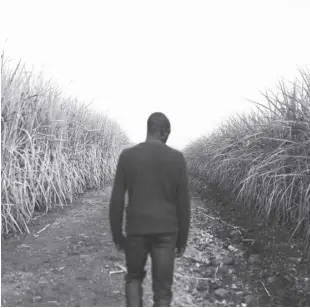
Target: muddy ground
{"points": [[232, 259]]}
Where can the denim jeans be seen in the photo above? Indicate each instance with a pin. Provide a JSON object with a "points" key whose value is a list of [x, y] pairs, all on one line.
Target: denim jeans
{"points": [[161, 247]]}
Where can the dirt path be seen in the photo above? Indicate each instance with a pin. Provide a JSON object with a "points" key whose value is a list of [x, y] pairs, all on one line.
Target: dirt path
{"points": [[69, 262]]}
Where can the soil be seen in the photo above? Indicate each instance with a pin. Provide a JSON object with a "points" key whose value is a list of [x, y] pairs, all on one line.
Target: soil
{"points": [[232, 259], [281, 276]]}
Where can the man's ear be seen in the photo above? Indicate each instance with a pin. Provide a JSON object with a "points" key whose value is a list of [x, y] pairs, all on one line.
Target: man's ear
{"points": [[165, 136], [164, 132]]}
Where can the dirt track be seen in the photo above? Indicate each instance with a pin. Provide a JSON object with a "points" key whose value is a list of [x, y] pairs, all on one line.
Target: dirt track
{"points": [[73, 262], [70, 263]]}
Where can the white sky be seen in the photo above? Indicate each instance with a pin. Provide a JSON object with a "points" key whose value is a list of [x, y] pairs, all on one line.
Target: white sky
{"points": [[196, 61]]}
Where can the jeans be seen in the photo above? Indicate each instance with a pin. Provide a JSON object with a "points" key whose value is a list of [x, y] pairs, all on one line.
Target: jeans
{"points": [[161, 247]]}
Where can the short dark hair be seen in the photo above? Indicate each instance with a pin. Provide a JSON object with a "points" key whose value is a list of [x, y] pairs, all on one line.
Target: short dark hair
{"points": [[157, 123]]}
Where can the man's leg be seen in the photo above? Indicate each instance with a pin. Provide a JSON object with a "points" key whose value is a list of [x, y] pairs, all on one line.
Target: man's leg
{"points": [[163, 254], [136, 251]]}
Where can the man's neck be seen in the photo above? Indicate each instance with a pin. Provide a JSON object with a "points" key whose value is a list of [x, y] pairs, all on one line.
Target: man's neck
{"points": [[153, 139]]}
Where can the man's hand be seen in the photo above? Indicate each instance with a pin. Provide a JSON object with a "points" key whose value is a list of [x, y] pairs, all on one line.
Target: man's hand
{"points": [[119, 248], [120, 245], [179, 252]]}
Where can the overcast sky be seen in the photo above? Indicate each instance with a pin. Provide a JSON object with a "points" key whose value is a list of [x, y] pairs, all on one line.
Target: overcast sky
{"points": [[196, 61]]}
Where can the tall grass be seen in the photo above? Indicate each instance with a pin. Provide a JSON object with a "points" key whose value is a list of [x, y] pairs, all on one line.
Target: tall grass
{"points": [[52, 147], [263, 158]]}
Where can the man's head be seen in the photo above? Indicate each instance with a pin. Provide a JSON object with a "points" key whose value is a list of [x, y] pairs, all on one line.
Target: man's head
{"points": [[158, 127]]}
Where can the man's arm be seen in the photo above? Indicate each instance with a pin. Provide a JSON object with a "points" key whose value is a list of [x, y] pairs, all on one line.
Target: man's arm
{"points": [[183, 205], [117, 203]]}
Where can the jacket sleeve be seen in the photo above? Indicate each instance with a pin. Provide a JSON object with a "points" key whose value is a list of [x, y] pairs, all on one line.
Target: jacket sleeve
{"points": [[117, 202], [183, 205]]}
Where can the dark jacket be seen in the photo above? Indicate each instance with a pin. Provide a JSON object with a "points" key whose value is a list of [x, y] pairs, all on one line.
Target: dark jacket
{"points": [[155, 177]]}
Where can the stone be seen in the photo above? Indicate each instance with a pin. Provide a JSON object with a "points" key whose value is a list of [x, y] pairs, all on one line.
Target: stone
{"points": [[222, 271], [191, 286], [239, 247], [271, 279], [208, 272], [255, 259], [216, 262], [285, 245], [236, 240], [225, 245], [192, 253], [37, 298], [206, 261], [252, 229], [296, 260], [221, 293], [228, 260], [257, 247], [214, 285], [235, 237], [53, 303], [234, 233], [202, 285], [249, 299]]}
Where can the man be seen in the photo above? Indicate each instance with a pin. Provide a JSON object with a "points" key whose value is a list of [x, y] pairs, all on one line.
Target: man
{"points": [[157, 214]]}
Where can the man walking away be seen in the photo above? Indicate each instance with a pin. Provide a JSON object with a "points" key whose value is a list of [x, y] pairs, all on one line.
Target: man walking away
{"points": [[157, 214]]}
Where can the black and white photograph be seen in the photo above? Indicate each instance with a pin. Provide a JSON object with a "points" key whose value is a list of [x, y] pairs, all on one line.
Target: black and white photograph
{"points": [[155, 153]]}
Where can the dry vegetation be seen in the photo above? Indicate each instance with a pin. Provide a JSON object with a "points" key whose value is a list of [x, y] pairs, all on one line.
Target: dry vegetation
{"points": [[53, 148], [263, 159]]}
